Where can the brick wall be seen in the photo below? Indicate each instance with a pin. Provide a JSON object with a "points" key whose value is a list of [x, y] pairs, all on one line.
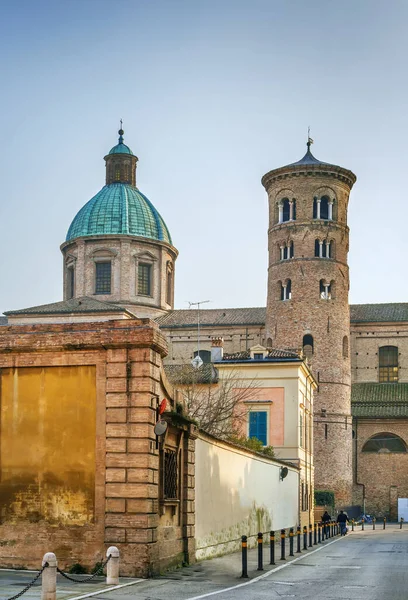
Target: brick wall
{"points": [[384, 475], [129, 506]]}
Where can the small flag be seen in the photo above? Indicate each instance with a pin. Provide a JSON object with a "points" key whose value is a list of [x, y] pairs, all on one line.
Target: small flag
{"points": [[162, 406], [310, 140]]}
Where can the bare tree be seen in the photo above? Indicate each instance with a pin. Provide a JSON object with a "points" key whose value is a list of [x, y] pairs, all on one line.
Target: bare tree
{"points": [[216, 403]]}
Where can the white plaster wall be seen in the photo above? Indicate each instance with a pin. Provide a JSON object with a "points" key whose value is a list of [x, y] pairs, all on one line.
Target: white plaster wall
{"points": [[239, 493]]}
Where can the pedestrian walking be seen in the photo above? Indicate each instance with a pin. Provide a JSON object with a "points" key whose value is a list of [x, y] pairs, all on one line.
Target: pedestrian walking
{"points": [[342, 520]]}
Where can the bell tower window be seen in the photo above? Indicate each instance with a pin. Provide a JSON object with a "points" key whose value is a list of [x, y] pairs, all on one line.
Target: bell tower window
{"points": [[103, 277], [325, 290], [144, 279], [287, 210], [169, 285], [286, 290]]}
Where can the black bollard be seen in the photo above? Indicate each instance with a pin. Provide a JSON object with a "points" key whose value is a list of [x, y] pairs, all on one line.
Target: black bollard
{"points": [[283, 537], [305, 538], [260, 551], [244, 547], [291, 534], [272, 543], [384, 523], [362, 524], [328, 529], [401, 522], [319, 533], [298, 532], [374, 523], [352, 524], [310, 535], [315, 534]]}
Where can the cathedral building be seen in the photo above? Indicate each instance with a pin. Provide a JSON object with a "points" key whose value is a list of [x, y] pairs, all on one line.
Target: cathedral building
{"points": [[119, 262]]}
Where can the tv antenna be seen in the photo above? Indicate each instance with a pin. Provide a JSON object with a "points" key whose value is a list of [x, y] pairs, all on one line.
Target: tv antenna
{"points": [[197, 360]]}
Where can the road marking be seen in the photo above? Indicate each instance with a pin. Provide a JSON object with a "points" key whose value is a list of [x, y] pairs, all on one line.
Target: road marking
{"points": [[340, 567], [255, 579], [109, 589]]}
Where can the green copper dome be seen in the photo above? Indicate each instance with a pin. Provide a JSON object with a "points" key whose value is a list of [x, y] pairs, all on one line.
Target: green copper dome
{"points": [[120, 148], [119, 209]]}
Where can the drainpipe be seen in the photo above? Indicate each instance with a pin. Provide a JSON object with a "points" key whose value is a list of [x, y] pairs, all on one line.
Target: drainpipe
{"points": [[356, 469]]}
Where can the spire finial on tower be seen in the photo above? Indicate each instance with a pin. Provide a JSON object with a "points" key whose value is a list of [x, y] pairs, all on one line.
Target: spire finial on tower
{"points": [[309, 139], [121, 132]]}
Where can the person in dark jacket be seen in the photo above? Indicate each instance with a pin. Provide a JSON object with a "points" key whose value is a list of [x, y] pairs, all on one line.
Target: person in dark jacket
{"points": [[342, 519], [326, 518]]}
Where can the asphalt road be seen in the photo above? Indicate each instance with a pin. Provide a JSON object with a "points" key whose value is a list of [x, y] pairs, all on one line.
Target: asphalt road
{"points": [[369, 565]]}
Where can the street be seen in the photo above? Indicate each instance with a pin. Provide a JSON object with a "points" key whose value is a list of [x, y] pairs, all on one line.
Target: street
{"points": [[363, 565]]}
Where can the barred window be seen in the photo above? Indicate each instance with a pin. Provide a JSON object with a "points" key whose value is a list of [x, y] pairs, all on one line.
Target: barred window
{"points": [[170, 474], [144, 283], [388, 359], [103, 277]]}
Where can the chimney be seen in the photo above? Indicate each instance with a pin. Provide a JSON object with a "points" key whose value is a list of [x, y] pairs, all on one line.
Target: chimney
{"points": [[217, 349]]}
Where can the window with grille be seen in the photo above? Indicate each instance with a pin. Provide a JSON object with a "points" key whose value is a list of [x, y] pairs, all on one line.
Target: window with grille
{"points": [[258, 426], [170, 474], [103, 277], [144, 283], [388, 359]]}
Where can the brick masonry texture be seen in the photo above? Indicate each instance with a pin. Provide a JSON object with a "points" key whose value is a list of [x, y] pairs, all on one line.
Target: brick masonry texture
{"points": [[306, 313], [129, 509]]}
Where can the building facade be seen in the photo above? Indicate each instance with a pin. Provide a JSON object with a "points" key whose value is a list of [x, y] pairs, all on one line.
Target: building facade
{"points": [[278, 409]]}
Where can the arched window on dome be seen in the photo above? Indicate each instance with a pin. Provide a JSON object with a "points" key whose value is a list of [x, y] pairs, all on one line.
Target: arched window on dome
{"points": [[382, 443], [169, 283], [144, 279], [308, 346], [103, 277]]}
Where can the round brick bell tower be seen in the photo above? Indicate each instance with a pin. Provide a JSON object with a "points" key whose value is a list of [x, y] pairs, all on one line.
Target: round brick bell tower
{"points": [[308, 284]]}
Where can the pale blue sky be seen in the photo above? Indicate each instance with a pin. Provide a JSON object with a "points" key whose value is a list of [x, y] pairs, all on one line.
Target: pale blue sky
{"points": [[213, 95]]}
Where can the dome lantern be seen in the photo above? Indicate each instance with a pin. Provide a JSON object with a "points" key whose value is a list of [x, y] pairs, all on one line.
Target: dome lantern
{"points": [[121, 163]]}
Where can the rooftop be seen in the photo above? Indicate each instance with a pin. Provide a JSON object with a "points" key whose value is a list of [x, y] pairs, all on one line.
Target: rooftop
{"points": [[379, 400], [73, 306], [379, 313], [273, 355], [213, 316]]}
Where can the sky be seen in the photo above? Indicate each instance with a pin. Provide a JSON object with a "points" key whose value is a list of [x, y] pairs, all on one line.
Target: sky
{"points": [[213, 94]]}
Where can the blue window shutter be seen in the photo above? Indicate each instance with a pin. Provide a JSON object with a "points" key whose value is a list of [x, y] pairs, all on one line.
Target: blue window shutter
{"points": [[258, 426]]}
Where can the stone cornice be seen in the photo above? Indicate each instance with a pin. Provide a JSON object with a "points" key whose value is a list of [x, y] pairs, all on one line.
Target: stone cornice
{"points": [[315, 224], [118, 238], [319, 170]]}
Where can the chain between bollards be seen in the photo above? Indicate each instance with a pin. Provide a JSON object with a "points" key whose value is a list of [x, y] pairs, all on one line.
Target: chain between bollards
{"points": [[244, 548], [272, 547], [260, 551]]}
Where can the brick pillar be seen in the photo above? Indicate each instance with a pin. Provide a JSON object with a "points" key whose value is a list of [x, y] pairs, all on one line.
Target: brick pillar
{"points": [[189, 494], [132, 462]]}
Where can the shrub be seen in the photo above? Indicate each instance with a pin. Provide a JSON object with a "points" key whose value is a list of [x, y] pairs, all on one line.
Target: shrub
{"points": [[324, 498]]}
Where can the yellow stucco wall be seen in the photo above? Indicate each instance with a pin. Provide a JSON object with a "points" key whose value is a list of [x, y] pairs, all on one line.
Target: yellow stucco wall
{"points": [[47, 444]]}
